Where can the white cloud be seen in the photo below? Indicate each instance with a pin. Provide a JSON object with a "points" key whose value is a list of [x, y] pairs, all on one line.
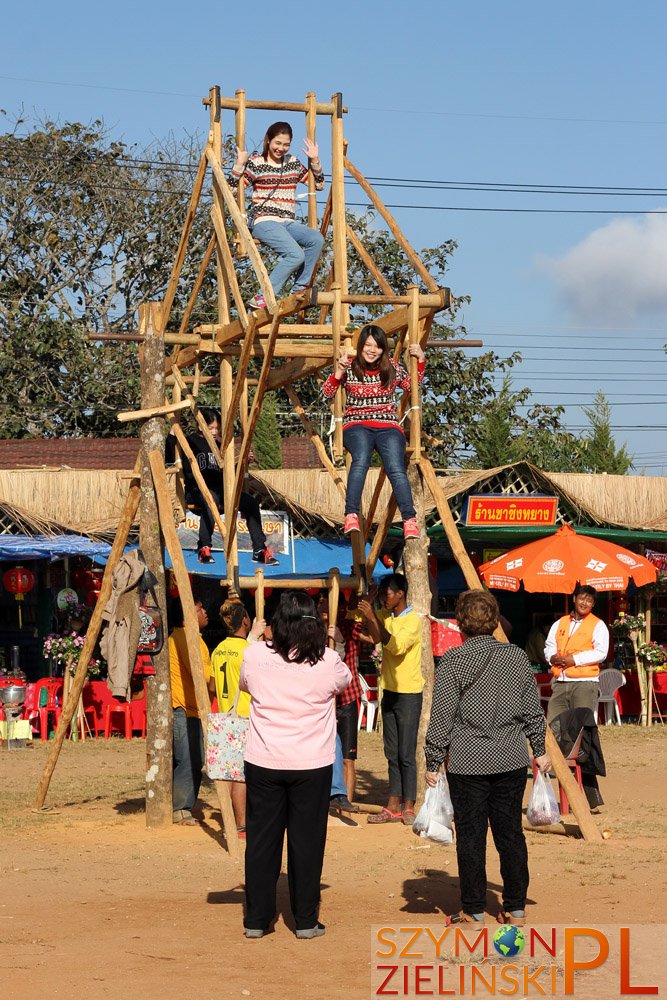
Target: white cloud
{"points": [[617, 274]]}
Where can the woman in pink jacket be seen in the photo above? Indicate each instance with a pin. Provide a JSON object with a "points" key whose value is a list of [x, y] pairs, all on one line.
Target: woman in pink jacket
{"points": [[293, 680]]}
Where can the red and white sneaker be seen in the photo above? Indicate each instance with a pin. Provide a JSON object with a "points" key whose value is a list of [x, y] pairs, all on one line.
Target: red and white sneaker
{"points": [[265, 556], [411, 528], [257, 302], [204, 554], [351, 523]]}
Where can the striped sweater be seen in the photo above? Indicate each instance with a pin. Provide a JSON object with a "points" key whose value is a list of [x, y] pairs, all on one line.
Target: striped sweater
{"points": [[368, 402], [274, 186]]}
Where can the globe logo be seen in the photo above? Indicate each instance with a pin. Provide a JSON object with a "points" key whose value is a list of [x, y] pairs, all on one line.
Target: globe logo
{"points": [[509, 941], [553, 566]]}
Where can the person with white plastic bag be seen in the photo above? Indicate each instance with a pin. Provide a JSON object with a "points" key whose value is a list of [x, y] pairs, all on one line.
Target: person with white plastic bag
{"points": [[485, 704]]}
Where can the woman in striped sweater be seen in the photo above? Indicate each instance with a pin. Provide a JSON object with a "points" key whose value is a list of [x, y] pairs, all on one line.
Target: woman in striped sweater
{"points": [[371, 380], [273, 177]]}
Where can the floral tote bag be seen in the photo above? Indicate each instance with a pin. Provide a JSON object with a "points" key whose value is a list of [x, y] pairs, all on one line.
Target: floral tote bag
{"points": [[226, 738]]}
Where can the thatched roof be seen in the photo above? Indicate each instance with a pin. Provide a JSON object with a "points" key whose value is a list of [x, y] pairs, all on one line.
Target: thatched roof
{"points": [[90, 501], [16, 520]]}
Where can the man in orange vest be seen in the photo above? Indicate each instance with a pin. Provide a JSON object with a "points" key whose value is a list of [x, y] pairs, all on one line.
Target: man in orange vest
{"points": [[576, 646]]}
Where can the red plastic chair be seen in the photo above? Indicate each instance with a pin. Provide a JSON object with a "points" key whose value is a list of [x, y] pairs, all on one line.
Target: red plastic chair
{"points": [[53, 707], [117, 708]]}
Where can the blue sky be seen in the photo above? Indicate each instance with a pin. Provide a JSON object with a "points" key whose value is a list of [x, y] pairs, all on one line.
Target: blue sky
{"points": [[512, 94]]}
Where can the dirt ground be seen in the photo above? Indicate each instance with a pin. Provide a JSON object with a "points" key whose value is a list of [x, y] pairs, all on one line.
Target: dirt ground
{"points": [[93, 904]]}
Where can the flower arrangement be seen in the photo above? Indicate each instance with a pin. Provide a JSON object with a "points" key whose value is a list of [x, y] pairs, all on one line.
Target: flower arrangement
{"points": [[74, 611], [625, 624], [376, 657], [653, 654], [67, 648]]}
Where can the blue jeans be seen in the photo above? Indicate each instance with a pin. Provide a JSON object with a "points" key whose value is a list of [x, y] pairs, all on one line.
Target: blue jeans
{"points": [[338, 786], [188, 759], [389, 443], [298, 248]]}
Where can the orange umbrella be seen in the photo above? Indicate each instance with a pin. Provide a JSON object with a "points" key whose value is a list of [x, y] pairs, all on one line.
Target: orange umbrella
{"points": [[556, 564]]}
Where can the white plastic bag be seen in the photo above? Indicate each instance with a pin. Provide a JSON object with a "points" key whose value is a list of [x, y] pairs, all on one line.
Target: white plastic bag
{"points": [[434, 819], [543, 806]]}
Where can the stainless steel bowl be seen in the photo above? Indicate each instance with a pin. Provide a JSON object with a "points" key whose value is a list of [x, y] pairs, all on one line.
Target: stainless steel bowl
{"points": [[12, 695]]}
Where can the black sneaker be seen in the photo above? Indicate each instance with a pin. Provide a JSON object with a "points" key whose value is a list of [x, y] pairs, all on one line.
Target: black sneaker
{"points": [[265, 556], [341, 803], [204, 554]]}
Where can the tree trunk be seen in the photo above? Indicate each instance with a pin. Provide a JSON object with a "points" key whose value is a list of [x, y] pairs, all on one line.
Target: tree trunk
{"points": [[415, 561], [159, 714]]}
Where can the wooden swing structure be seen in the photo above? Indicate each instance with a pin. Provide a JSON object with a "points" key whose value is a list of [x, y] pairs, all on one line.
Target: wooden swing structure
{"points": [[305, 346]]}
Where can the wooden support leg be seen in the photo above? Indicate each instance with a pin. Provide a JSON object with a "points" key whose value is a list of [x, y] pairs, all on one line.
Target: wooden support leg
{"points": [[191, 635]]}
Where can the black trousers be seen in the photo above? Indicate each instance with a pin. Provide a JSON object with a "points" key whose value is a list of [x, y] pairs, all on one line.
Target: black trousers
{"points": [[249, 508], [400, 727], [279, 801], [480, 800]]}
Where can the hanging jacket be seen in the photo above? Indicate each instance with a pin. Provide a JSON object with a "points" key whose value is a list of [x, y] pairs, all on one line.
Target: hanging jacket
{"points": [[121, 636]]}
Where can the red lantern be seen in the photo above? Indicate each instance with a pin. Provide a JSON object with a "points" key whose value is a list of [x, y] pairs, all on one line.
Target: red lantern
{"points": [[92, 597], [268, 591], [313, 591], [18, 581]]}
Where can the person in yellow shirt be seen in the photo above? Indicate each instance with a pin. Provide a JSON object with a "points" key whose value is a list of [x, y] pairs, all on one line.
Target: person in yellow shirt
{"points": [[188, 735], [226, 662], [399, 629]]}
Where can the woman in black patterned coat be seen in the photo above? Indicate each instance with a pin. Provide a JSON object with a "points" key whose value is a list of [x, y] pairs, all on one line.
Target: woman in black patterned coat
{"points": [[485, 705]]}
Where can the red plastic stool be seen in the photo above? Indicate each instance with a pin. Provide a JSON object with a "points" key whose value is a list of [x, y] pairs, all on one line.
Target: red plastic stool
{"points": [[113, 708]]}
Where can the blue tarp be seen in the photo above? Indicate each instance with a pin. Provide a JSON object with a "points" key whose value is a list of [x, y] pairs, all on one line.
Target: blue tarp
{"points": [[13, 547]]}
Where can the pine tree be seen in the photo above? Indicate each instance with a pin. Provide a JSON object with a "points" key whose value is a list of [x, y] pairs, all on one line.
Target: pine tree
{"points": [[266, 442]]}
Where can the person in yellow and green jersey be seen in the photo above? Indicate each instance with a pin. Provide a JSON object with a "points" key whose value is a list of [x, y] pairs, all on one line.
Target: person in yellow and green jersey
{"points": [[226, 669], [399, 629]]}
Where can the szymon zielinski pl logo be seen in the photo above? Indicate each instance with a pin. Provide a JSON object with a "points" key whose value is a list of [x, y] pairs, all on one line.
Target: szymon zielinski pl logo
{"points": [[542, 960]]}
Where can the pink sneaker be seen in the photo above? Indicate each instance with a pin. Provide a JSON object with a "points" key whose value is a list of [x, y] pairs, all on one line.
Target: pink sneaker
{"points": [[351, 523], [257, 302], [411, 528]]}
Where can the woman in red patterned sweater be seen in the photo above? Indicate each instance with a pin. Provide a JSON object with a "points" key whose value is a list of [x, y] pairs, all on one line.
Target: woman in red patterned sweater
{"points": [[371, 380]]}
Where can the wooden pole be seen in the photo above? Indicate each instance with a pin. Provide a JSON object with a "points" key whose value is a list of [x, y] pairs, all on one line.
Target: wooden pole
{"points": [[381, 533], [334, 597], [239, 386], [159, 714], [226, 261], [365, 258], [259, 593], [311, 124], [415, 402], [415, 562], [79, 679], [183, 242], [239, 119], [191, 634], [338, 202], [338, 403]]}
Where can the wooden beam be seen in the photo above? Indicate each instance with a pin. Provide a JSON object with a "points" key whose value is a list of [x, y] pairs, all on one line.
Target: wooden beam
{"points": [[293, 370], [321, 108], [227, 264], [438, 300], [381, 533], [154, 411], [366, 259], [194, 293], [316, 440], [177, 431], [192, 636], [183, 242], [244, 232], [298, 583], [334, 597], [247, 351], [396, 232], [92, 633], [253, 417], [415, 395], [311, 125], [338, 203]]}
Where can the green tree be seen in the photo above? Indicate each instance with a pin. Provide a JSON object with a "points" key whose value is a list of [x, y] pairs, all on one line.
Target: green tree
{"points": [[599, 448], [266, 440], [88, 231]]}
